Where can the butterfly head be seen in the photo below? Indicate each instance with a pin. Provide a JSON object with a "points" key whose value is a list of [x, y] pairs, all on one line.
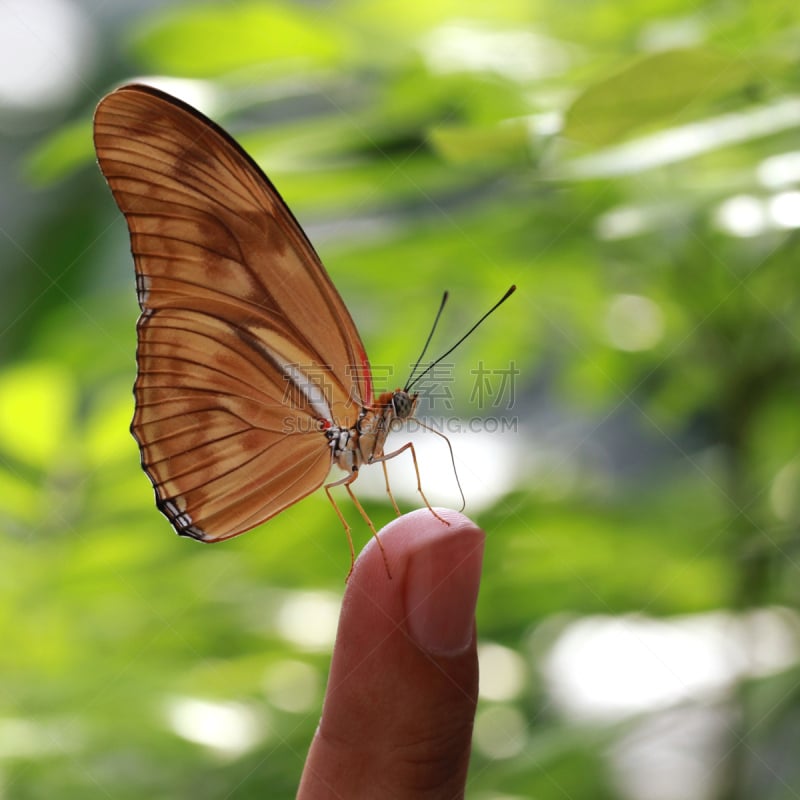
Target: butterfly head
{"points": [[398, 405]]}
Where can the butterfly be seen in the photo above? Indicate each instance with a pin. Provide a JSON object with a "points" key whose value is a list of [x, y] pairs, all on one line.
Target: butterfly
{"points": [[252, 378]]}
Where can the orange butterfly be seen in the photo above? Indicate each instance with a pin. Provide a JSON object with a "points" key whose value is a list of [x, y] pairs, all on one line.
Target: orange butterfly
{"points": [[252, 378]]}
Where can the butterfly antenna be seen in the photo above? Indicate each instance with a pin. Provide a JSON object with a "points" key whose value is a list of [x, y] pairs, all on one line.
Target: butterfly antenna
{"points": [[428, 340], [444, 355]]}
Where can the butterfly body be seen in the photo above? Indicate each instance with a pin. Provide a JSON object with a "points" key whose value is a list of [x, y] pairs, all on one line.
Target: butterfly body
{"points": [[364, 443]]}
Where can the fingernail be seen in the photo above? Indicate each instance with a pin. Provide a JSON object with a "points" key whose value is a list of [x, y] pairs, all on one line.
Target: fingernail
{"points": [[442, 585]]}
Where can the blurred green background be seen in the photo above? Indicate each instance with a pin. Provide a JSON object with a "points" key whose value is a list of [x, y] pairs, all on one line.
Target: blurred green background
{"points": [[635, 169]]}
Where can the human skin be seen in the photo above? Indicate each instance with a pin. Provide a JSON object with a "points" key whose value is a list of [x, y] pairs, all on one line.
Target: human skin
{"points": [[399, 708]]}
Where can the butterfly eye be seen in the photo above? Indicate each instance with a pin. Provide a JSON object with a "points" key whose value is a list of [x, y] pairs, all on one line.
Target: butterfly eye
{"points": [[403, 404]]}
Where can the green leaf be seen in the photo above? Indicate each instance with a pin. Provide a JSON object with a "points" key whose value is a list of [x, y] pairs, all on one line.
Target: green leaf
{"points": [[60, 153], [667, 88], [37, 402], [507, 142], [235, 36]]}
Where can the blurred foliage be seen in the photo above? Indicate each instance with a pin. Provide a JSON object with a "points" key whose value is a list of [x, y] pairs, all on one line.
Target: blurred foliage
{"points": [[620, 163]]}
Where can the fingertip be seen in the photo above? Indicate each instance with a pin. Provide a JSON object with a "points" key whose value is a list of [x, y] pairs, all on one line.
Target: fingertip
{"points": [[436, 563], [441, 589], [403, 535], [435, 521]]}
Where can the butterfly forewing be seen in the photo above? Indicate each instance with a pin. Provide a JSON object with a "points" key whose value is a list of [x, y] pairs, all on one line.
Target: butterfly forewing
{"points": [[245, 347]]}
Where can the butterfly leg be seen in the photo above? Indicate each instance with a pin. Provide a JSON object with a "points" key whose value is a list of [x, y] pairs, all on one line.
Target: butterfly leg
{"points": [[410, 446], [389, 488], [346, 526], [346, 482]]}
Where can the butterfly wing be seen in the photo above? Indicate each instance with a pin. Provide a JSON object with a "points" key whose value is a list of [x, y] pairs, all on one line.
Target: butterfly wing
{"points": [[245, 348]]}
